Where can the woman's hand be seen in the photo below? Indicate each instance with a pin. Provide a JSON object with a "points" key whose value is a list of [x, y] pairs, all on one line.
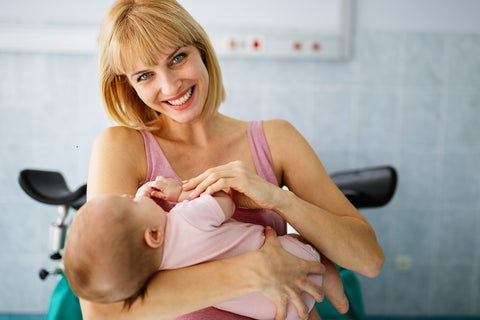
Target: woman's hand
{"points": [[244, 185], [284, 277]]}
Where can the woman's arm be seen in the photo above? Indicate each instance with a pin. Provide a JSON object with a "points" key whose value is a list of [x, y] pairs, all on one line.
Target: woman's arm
{"points": [[116, 168], [314, 206], [118, 163], [175, 292]]}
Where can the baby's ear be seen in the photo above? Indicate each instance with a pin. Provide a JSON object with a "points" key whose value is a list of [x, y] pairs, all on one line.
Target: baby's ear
{"points": [[153, 237]]}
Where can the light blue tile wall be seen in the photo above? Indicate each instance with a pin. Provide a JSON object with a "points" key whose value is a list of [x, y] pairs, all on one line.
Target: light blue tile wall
{"points": [[408, 99], [51, 112]]}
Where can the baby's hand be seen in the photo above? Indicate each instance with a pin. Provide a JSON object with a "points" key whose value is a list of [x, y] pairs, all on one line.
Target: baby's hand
{"points": [[145, 190], [162, 188]]}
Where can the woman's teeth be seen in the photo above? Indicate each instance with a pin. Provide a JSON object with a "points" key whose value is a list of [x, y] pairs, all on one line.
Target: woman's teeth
{"points": [[181, 100]]}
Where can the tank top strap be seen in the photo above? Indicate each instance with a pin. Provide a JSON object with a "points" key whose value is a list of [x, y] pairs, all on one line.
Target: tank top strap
{"points": [[157, 162], [261, 152]]}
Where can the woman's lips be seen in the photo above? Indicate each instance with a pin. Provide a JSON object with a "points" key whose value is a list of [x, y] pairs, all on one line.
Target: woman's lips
{"points": [[181, 99]]}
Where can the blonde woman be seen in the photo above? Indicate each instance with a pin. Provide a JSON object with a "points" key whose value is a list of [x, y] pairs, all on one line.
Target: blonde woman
{"points": [[161, 82]]}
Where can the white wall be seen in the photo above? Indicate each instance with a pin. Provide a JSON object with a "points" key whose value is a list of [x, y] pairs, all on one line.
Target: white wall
{"points": [[53, 11], [419, 15], [441, 15]]}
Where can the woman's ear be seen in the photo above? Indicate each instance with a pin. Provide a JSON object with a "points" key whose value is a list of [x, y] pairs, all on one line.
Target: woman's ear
{"points": [[153, 237]]}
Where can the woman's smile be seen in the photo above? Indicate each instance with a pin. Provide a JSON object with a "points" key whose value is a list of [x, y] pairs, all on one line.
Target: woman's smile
{"points": [[182, 101], [178, 82]]}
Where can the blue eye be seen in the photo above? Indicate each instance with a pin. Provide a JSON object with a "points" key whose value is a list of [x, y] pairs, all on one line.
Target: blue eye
{"points": [[144, 76], [179, 58]]}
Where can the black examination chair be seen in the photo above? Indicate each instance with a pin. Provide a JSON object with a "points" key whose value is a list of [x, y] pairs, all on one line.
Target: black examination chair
{"points": [[369, 187]]}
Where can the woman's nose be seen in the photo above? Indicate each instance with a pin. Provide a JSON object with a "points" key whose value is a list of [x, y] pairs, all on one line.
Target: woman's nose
{"points": [[168, 83]]}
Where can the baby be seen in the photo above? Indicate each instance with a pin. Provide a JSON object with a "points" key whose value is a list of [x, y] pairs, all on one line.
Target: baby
{"points": [[117, 243]]}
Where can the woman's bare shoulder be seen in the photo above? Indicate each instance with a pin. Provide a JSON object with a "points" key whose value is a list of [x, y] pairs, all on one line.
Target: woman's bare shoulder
{"points": [[118, 162], [119, 134], [280, 131], [277, 124], [120, 140]]}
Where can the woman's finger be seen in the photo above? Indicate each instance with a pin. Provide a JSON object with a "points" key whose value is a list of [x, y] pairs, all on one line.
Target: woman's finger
{"points": [[226, 170], [208, 182], [291, 276], [314, 270], [195, 181], [221, 184], [313, 289], [281, 309], [297, 301], [214, 183], [246, 187], [332, 284]]}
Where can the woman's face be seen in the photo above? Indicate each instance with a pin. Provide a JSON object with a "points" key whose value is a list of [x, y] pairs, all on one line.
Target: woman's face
{"points": [[176, 86]]}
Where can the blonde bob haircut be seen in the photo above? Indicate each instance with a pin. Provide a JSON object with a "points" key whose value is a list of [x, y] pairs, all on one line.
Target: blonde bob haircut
{"points": [[141, 30]]}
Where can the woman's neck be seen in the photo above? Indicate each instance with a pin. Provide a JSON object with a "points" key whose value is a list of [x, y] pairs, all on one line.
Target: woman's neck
{"points": [[199, 132]]}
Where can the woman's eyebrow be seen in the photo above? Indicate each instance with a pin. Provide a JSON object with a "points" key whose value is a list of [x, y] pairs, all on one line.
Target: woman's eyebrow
{"points": [[175, 52], [137, 73]]}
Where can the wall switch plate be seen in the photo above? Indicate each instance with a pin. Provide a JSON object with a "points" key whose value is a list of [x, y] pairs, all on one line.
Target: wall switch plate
{"points": [[403, 263]]}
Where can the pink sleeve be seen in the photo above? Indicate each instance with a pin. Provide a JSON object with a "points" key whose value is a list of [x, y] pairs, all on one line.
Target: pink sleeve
{"points": [[203, 212]]}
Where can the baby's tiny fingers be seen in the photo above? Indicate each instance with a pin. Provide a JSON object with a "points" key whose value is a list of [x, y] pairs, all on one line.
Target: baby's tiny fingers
{"points": [[143, 191], [157, 194]]}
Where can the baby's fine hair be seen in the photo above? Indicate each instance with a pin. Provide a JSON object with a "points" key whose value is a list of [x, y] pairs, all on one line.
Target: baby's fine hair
{"points": [[106, 258]]}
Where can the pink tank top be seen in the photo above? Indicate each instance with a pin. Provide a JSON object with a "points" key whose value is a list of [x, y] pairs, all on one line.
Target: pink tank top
{"points": [[157, 164]]}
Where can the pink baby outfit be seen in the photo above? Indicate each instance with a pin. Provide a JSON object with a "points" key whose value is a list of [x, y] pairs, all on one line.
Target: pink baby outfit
{"points": [[158, 165], [196, 231]]}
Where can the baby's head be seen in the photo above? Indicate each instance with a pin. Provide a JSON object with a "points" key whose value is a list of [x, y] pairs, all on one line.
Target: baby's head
{"points": [[113, 247]]}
